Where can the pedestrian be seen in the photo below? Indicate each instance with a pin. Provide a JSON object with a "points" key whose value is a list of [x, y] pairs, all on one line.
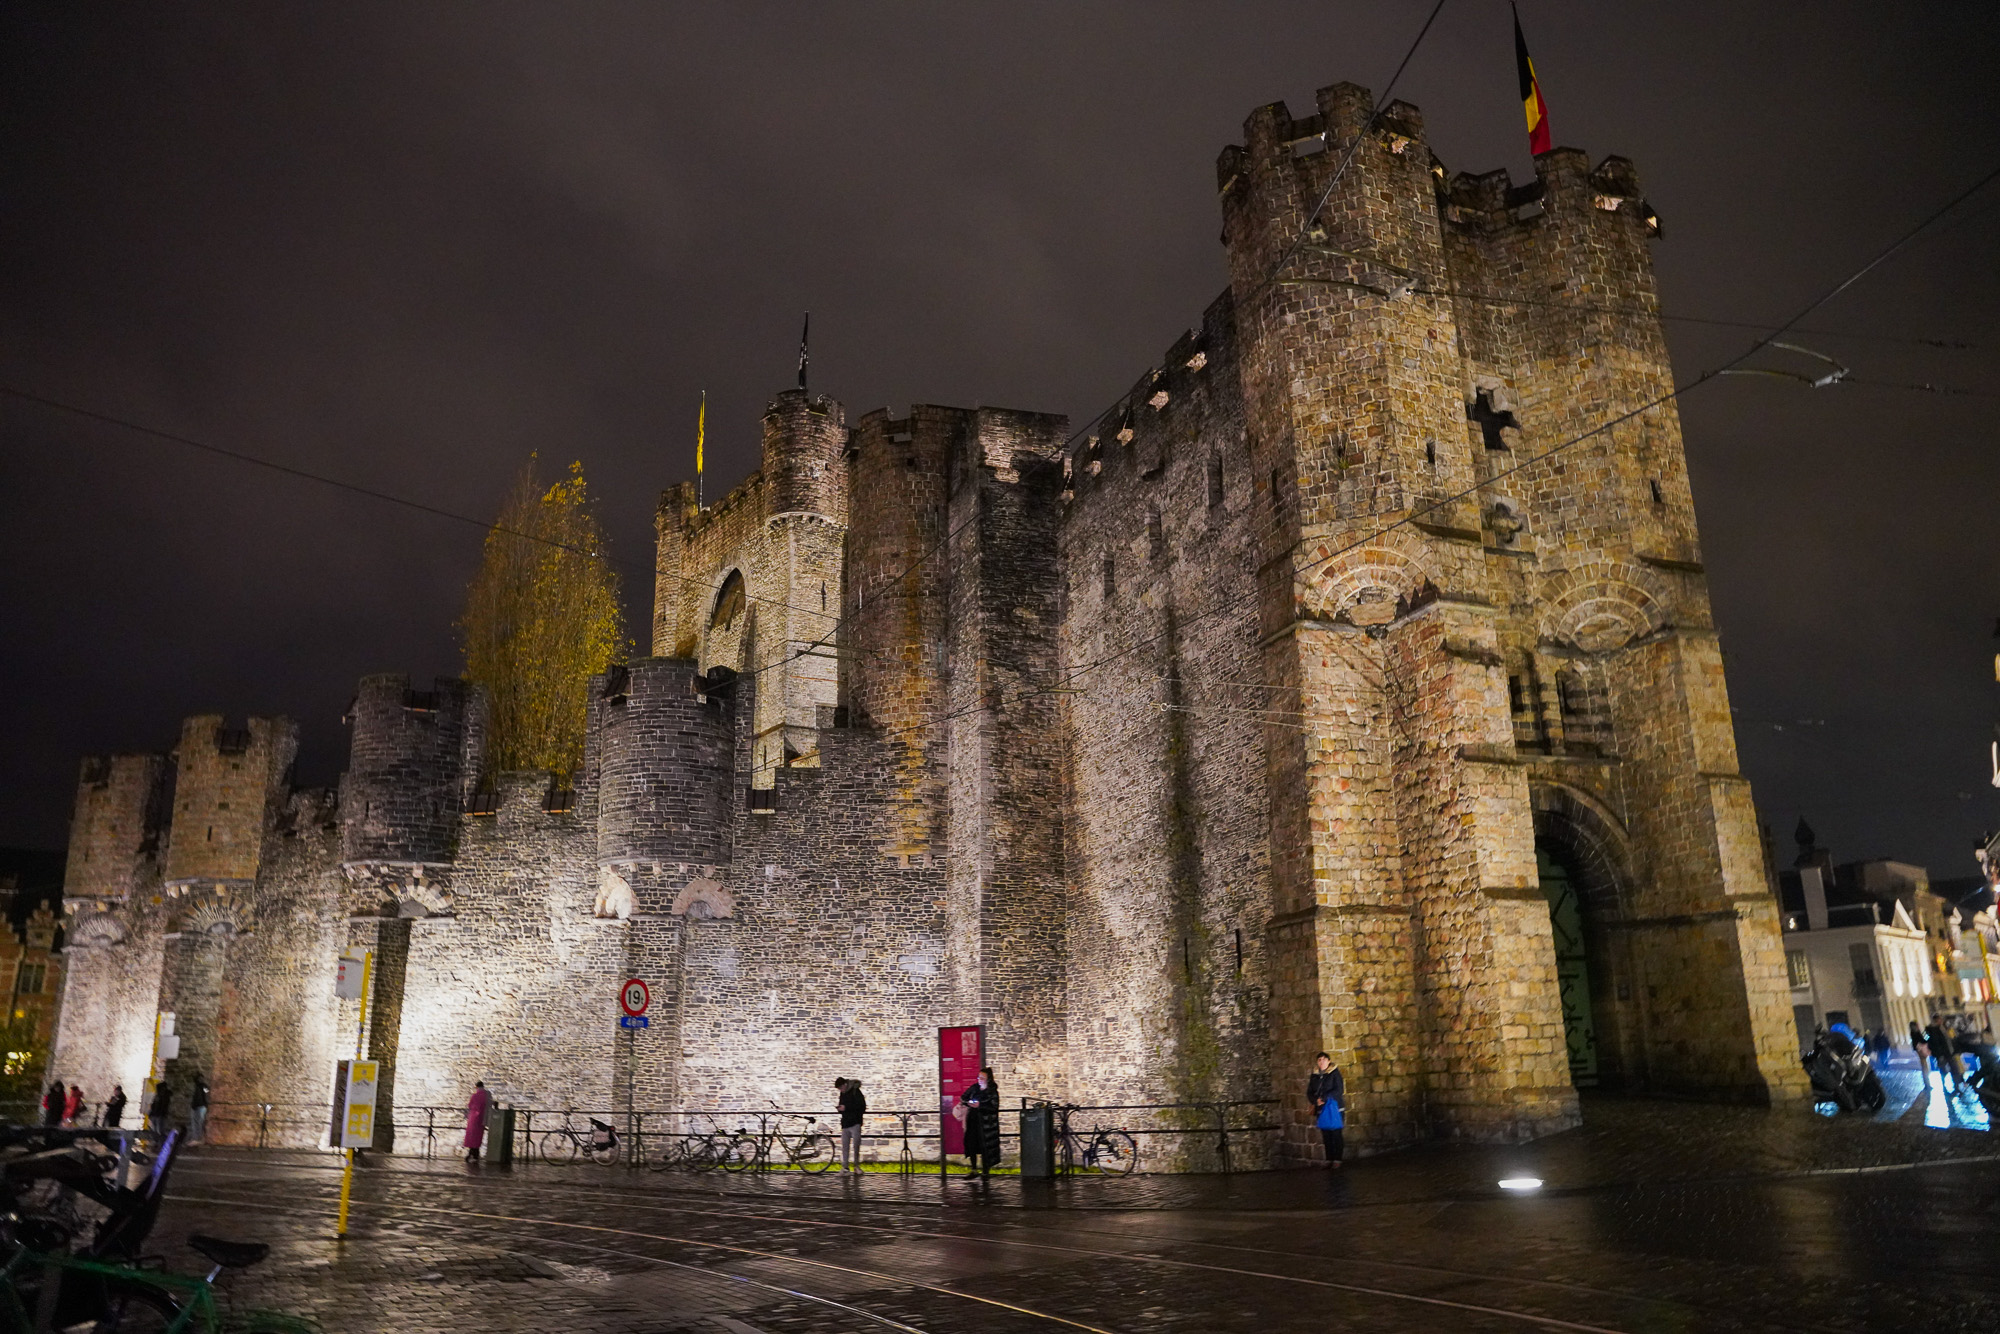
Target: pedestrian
{"points": [[981, 1101], [1938, 1038], [162, 1108], [1917, 1044], [198, 1111], [853, 1107], [114, 1107], [1326, 1091], [475, 1120], [52, 1104], [72, 1105]]}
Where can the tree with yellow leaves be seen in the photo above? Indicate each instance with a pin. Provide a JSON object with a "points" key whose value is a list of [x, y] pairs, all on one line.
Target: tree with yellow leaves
{"points": [[541, 618]]}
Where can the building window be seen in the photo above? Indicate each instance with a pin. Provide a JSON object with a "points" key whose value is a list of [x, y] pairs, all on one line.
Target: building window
{"points": [[1797, 966], [33, 977], [1110, 578], [1156, 535], [1214, 480]]}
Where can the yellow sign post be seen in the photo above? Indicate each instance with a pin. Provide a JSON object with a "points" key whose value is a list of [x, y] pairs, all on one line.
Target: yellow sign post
{"points": [[356, 1129]]}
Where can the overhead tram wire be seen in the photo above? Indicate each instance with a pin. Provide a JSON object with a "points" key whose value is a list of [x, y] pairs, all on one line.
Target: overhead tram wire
{"points": [[1284, 259], [1880, 257], [373, 493]]}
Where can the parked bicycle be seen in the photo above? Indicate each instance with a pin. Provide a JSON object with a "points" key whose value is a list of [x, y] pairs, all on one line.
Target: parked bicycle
{"points": [[1095, 1152], [74, 1267], [569, 1141], [809, 1151]]}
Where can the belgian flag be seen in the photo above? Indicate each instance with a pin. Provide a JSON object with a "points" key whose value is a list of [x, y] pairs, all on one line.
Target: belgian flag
{"points": [[1531, 93]]}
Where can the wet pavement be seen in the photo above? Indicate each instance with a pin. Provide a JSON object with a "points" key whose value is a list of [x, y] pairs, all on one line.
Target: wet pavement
{"points": [[1652, 1216]]}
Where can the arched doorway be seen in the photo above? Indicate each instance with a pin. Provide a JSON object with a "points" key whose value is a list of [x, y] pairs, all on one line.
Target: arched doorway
{"points": [[1560, 886], [1586, 876]]}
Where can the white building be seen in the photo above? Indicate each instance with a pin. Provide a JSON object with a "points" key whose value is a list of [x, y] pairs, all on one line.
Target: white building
{"points": [[1856, 958]]}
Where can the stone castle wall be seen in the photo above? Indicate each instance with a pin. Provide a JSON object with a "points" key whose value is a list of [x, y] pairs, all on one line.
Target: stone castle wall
{"points": [[1238, 727]]}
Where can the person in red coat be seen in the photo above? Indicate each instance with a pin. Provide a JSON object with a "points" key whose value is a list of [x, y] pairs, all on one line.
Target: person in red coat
{"points": [[475, 1120]]}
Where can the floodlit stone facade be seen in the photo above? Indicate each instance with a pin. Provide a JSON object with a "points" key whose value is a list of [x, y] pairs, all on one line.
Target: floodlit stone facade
{"points": [[1351, 684]]}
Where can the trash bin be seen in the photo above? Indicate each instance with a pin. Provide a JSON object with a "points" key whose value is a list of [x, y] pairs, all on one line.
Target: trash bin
{"points": [[500, 1138], [1038, 1141]]}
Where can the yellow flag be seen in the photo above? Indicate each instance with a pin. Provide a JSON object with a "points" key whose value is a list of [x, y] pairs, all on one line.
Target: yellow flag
{"points": [[700, 432]]}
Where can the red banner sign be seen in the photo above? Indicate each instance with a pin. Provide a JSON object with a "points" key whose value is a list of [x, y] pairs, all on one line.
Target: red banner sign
{"points": [[961, 1053]]}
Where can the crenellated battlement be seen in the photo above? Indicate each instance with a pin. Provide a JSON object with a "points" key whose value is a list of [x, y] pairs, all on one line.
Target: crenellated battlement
{"points": [[414, 757], [227, 780], [122, 804]]}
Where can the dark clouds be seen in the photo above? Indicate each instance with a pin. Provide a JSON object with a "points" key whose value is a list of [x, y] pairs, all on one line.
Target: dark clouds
{"points": [[406, 245]]}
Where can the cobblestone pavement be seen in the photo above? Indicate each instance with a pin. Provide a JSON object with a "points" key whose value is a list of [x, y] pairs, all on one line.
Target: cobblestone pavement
{"points": [[1653, 1216]]}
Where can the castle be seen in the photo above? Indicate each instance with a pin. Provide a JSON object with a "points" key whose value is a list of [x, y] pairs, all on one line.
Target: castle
{"points": [[1295, 704]]}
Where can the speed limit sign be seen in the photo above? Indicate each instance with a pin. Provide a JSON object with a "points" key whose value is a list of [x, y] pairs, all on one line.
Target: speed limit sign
{"points": [[634, 997]]}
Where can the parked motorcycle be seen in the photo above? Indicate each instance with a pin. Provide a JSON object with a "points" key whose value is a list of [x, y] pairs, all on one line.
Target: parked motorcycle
{"points": [[1842, 1074]]}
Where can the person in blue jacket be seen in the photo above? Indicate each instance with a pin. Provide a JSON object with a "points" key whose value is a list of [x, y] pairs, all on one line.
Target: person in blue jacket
{"points": [[1326, 1094]]}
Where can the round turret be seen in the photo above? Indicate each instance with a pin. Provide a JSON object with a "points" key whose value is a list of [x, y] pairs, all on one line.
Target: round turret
{"points": [[399, 800], [804, 440], [666, 760]]}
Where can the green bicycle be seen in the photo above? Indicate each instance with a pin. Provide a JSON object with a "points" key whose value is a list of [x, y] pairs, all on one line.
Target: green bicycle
{"points": [[45, 1291]]}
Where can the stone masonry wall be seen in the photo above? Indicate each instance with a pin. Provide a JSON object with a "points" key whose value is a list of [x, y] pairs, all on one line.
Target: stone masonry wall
{"points": [[1168, 845]]}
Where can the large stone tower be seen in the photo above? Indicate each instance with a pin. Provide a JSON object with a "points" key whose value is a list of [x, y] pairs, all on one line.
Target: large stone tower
{"points": [[1524, 641]]}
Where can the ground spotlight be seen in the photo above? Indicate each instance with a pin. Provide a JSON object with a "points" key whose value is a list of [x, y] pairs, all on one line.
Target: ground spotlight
{"points": [[1521, 1183]]}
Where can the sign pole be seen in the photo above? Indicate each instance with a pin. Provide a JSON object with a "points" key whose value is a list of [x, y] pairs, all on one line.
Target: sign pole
{"points": [[360, 1033]]}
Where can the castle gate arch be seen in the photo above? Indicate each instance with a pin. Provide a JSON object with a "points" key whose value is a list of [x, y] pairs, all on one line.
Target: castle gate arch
{"points": [[1580, 850]]}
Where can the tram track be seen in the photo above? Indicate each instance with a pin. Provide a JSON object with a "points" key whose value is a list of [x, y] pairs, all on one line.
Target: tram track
{"points": [[649, 1201], [1365, 1290]]}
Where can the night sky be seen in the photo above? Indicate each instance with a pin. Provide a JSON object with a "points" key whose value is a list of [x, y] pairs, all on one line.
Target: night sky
{"points": [[405, 245]]}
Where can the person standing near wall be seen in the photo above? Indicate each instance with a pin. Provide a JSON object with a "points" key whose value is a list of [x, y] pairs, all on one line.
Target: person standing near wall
{"points": [[1938, 1038], [72, 1105], [981, 1101], [475, 1120], [1326, 1093], [853, 1108], [52, 1104], [114, 1107], [198, 1111], [161, 1110]]}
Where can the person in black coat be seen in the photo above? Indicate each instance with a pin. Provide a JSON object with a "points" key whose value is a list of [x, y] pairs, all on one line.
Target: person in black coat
{"points": [[162, 1108], [982, 1122], [52, 1104], [114, 1106], [1326, 1084], [1945, 1052], [853, 1111]]}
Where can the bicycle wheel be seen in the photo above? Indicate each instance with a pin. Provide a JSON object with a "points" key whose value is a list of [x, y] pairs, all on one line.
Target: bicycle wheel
{"points": [[1113, 1152], [604, 1154], [739, 1153], [814, 1153], [559, 1146], [137, 1308]]}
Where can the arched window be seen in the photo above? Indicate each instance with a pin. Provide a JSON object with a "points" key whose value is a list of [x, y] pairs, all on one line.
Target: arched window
{"points": [[728, 602]]}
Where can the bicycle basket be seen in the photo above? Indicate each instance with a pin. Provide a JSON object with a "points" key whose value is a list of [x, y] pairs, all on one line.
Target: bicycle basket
{"points": [[602, 1136]]}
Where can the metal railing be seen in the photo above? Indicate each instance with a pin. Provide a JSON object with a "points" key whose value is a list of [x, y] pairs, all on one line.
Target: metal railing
{"points": [[1199, 1136]]}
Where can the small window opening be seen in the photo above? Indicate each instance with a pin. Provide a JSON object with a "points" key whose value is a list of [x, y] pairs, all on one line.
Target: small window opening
{"points": [[1431, 453], [1492, 419], [1156, 535], [1214, 480], [1110, 577], [211, 834], [1239, 951], [1517, 696], [1658, 497], [1277, 480], [1187, 958], [822, 596]]}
